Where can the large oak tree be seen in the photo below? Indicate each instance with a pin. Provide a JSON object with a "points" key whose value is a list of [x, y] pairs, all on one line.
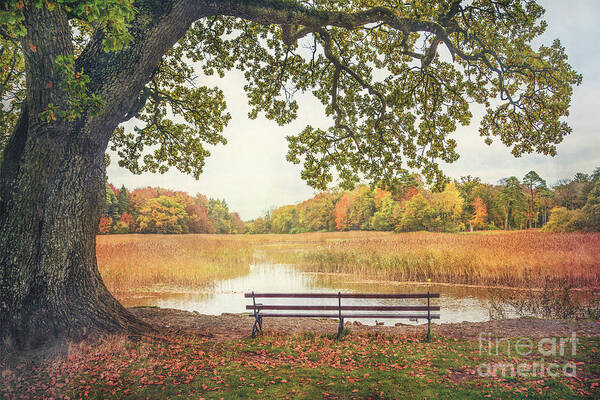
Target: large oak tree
{"points": [[395, 76]]}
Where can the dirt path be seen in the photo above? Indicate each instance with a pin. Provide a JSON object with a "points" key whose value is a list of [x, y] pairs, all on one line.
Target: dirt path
{"points": [[236, 326]]}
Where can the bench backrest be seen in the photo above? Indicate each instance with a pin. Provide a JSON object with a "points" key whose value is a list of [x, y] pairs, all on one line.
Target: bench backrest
{"points": [[344, 311]]}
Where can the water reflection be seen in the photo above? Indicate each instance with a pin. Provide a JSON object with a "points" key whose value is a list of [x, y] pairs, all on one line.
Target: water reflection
{"points": [[226, 296]]}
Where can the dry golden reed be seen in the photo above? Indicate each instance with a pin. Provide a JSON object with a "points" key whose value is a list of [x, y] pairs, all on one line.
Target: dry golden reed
{"points": [[130, 263], [519, 258]]}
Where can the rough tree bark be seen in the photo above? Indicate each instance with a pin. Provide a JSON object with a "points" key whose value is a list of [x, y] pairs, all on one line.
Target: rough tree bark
{"points": [[52, 183]]}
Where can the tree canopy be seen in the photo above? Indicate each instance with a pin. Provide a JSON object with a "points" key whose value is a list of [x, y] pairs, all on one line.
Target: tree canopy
{"points": [[396, 78]]}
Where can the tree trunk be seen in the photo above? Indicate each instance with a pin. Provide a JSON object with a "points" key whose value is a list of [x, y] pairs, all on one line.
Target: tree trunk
{"points": [[51, 196], [50, 287], [531, 210], [52, 176]]}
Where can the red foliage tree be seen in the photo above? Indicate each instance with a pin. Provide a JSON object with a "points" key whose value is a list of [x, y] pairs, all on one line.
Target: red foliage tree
{"points": [[410, 193], [105, 225], [126, 219], [199, 221], [237, 224], [342, 213], [480, 215]]}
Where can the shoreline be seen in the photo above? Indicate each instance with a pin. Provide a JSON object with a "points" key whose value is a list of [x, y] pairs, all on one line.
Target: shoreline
{"points": [[465, 285], [227, 327]]}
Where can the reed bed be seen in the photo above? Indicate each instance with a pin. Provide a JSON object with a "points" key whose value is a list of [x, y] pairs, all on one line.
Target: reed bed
{"points": [[520, 258], [137, 263], [133, 263]]}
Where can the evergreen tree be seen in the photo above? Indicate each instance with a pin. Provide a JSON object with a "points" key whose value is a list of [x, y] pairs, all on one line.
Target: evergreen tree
{"points": [[218, 213], [123, 200], [591, 210], [512, 200], [533, 182], [546, 197], [111, 205]]}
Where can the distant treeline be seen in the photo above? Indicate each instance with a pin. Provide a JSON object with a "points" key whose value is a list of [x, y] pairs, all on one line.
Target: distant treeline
{"points": [[157, 210], [463, 205]]}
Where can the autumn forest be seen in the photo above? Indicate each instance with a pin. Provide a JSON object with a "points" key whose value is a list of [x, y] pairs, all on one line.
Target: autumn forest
{"points": [[462, 205]]}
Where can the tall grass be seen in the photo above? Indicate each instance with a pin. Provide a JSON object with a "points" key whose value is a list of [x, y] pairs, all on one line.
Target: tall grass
{"points": [[133, 263], [522, 258]]}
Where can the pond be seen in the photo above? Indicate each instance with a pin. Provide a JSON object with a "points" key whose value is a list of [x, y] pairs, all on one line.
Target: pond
{"points": [[458, 304]]}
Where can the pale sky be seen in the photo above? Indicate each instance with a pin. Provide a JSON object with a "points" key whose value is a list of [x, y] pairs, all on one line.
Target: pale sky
{"points": [[252, 175]]}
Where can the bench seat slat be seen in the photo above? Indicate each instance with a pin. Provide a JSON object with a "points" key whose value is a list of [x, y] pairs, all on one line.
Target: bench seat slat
{"points": [[344, 295], [323, 315], [344, 308]]}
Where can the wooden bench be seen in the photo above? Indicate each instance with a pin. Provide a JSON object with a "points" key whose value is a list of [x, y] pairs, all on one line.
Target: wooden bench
{"points": [[324, 311]]}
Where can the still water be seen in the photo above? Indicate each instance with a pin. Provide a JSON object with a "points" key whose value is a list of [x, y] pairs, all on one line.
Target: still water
{"points": [[227, 296]]}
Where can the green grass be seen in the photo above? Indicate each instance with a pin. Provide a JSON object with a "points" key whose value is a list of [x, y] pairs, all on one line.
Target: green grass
{"points": [[304, 367]]}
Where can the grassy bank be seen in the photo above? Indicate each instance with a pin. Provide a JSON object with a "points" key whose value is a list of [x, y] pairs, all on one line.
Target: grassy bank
{"points": [[303, 367]]}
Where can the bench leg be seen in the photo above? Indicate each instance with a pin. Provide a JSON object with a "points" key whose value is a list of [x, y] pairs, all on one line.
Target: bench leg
{"points": [[340, 328], [428, 330], [257, 326], [428, 317]]}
